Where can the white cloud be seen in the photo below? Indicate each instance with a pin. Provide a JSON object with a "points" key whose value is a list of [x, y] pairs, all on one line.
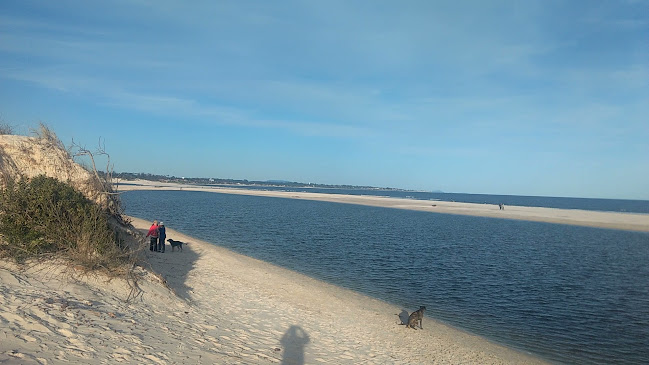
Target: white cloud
{"points": [[395, 75]]}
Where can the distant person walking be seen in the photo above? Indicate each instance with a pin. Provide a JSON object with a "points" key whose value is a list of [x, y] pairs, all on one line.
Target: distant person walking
{"points": [[162, 234], [153, 233]]}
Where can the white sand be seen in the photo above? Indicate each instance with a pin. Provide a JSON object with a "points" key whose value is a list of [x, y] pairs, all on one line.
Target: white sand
{"points": [[227, 309], [613, 220]]}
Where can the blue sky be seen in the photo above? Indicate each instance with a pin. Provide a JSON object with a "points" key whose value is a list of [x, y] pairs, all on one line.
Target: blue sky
{"points": [[497, 97]]}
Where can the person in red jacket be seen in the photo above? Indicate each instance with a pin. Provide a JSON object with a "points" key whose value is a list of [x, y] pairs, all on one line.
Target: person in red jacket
{"points": [[153, 233]]}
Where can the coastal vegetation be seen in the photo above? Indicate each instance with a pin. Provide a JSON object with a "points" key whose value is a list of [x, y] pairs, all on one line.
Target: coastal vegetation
{"points": [[42, 215], [53, 208], [6, 128], [244, 182]]}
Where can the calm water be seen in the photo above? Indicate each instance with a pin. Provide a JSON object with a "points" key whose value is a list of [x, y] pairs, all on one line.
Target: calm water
{"points": [[569, 294]]}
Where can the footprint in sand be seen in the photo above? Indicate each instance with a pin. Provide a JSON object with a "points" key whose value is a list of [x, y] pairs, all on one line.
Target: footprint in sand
{"points": [[65, 332], [154, 359], [26, 338], [122, 351], [9, 318]]}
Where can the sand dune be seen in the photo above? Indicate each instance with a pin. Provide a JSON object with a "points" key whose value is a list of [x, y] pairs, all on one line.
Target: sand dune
{"points": [[612, 220], [212, 306]]}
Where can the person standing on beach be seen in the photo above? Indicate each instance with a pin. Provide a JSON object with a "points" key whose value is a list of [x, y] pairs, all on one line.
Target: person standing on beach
{"points": [[161, 237], [153, 233]]}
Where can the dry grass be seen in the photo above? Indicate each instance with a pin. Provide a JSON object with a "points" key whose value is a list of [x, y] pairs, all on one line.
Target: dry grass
{"points": [[6, 128], [51, 208]]}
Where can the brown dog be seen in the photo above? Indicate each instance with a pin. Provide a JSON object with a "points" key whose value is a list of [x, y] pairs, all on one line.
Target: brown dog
{"points": [[416, 316]]}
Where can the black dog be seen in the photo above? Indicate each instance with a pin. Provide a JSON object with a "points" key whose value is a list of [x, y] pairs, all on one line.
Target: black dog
{"points": [[175, 244]]}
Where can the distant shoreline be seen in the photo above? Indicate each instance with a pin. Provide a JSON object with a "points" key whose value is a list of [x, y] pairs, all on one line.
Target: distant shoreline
{"points": [[610, 220]]}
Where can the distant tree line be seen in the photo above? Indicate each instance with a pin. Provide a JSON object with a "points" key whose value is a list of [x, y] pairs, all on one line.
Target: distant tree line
{"points": [[219, 181]]}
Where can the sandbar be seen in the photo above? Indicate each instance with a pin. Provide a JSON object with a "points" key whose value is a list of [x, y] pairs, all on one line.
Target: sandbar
{"points": [[612, 220]]}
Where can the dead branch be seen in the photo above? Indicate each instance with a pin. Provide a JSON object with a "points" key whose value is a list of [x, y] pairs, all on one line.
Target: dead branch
{"points": [[83, 151]]}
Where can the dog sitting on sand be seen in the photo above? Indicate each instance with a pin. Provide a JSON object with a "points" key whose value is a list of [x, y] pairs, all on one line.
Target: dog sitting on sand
{"points": [[416, 316], [175, 244]]}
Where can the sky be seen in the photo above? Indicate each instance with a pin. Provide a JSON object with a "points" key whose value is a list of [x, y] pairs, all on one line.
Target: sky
{"points": [[547, 98]]}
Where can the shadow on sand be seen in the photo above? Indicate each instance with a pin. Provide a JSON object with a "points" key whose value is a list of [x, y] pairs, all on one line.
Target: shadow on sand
{"points": [[173, 266], [293, 342], [403, 316]]}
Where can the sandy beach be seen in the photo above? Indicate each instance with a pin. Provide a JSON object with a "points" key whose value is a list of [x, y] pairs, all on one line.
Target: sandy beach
{"points": [[612, 220], [208, 305]]}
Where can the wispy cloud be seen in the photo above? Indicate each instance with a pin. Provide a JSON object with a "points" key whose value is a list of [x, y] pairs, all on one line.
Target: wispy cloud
{"points": [[417, 79], [224, 115]]}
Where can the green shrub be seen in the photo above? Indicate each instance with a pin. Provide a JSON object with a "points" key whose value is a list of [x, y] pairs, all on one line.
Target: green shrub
{"points": [[43, 215]]}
